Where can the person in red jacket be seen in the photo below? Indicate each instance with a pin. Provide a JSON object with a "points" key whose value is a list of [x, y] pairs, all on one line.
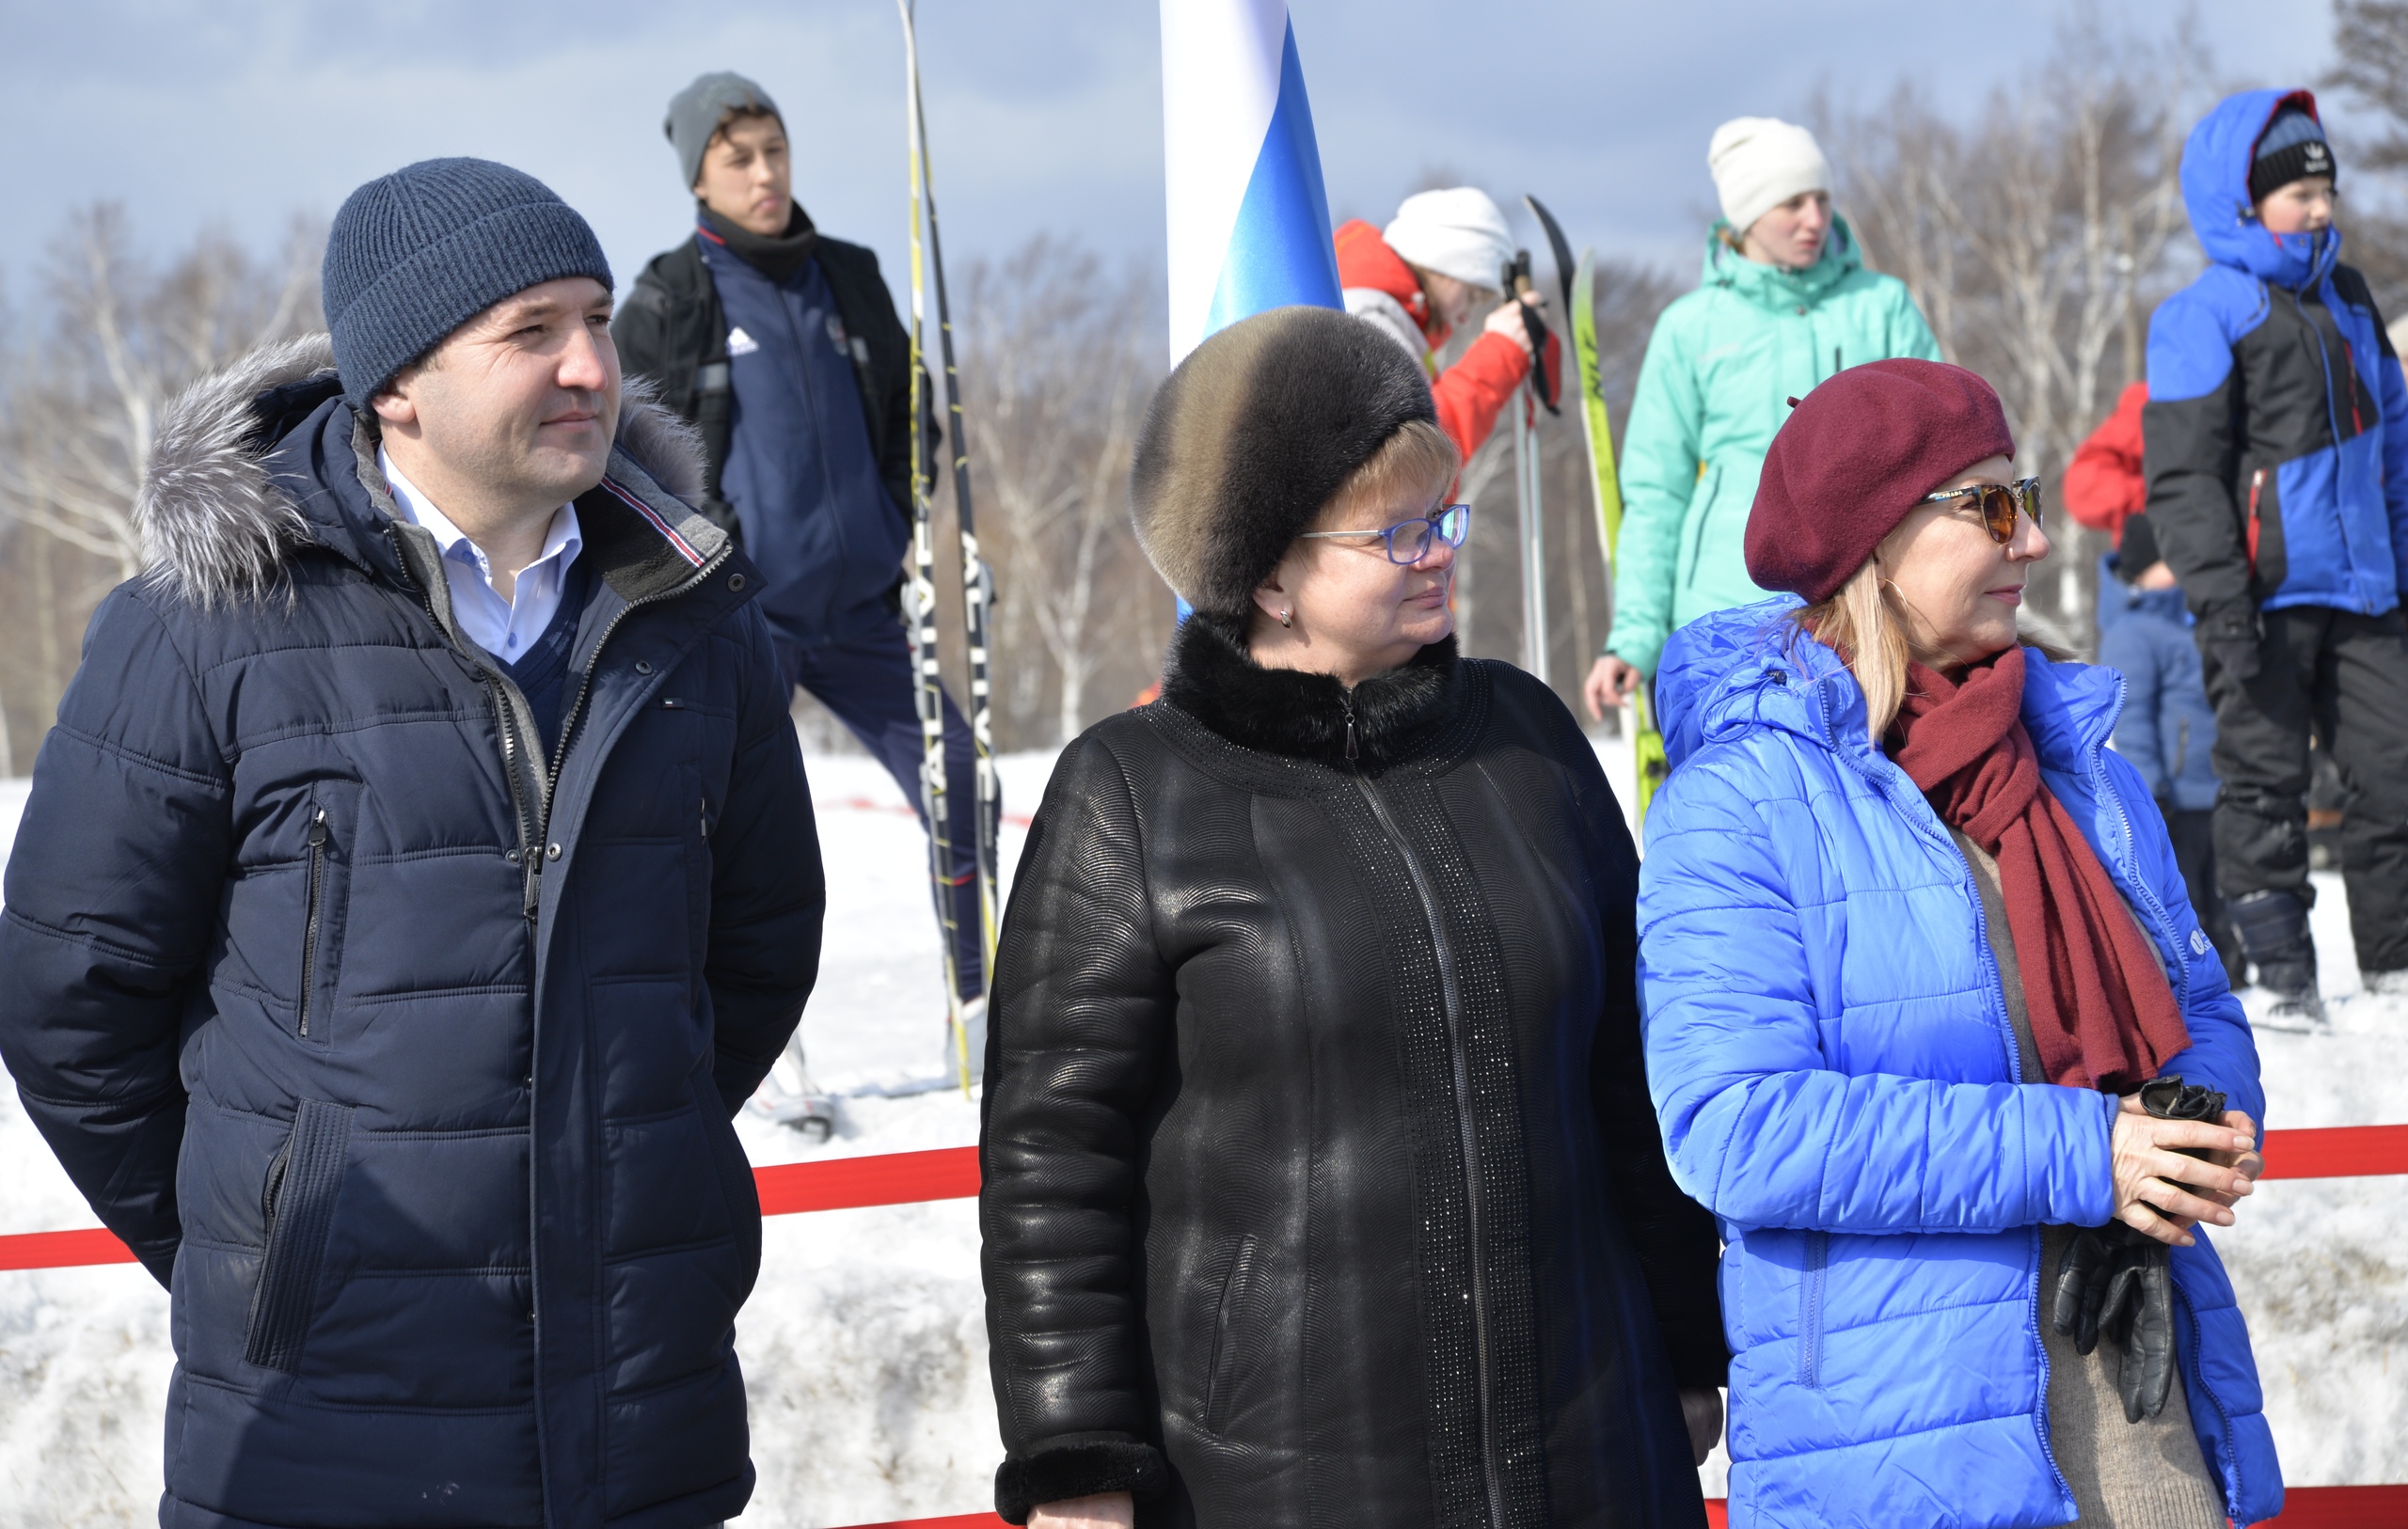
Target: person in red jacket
{"points": [[2104, 486], [1418, 280]]}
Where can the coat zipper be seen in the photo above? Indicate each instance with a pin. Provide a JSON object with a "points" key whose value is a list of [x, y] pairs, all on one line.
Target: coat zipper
{"points": [[1459, 1059], [309, 922], [585, 688], [2257, 482], [1810, 1321]]}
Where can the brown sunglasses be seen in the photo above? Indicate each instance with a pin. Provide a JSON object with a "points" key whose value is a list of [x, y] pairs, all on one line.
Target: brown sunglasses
{"points": [[1998, 504]]}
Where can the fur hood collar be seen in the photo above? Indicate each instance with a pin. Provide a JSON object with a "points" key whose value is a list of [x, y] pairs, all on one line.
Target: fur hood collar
{"points": [[1386, 721], [216, 527]]}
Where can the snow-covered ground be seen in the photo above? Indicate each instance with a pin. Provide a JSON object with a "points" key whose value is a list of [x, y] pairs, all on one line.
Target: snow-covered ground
{"points": [[863, 1346]]}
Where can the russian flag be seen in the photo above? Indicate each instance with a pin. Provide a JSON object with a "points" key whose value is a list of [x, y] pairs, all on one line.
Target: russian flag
{"points": [[1249, 221]]}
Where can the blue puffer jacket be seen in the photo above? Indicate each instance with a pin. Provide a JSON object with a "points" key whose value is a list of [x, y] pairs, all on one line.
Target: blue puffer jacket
{"points": [[2276, 427], [2168, 731], [408, 1061], [1836, 1077]]}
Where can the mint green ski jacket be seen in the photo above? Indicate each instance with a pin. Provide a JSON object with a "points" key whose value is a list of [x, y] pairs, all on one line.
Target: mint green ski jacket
{"points": [[1720, 368]]}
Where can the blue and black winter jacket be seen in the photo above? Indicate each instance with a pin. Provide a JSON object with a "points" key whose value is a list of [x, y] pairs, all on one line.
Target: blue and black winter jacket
{"points": [[1837, 1079], [2276, 430], [405, 1053]]}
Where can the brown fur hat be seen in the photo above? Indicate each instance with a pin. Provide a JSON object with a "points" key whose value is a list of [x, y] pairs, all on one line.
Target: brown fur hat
{"points": [[1253, 435]]}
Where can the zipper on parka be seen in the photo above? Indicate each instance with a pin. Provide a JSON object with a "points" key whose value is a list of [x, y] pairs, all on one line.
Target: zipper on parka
{"points": [[1459, 1059], [317, 841]]}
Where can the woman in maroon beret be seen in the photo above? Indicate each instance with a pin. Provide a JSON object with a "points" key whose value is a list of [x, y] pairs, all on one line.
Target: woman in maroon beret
{"points": [[1929, 1023]]}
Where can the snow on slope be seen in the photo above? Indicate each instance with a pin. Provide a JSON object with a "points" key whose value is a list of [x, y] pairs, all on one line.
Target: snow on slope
{"points": [[863, 1344]]}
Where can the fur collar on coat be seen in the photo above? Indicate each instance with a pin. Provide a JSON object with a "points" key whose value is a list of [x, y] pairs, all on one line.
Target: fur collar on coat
{"points": [[1305, 715]]}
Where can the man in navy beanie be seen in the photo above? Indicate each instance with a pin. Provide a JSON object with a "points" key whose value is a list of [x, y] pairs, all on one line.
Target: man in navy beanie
{"points": [[420, 877], [781, 345]]}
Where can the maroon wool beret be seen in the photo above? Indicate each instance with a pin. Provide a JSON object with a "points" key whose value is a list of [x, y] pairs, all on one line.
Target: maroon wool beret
{"points": [[1855, 457]]}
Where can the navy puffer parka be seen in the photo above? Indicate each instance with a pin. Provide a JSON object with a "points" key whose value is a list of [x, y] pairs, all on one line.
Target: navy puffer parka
{"points": [[406, 1055]]}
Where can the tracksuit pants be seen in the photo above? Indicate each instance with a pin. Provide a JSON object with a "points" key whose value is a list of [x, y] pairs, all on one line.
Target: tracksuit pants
{"points": [[2345, 676], [868, 684]]}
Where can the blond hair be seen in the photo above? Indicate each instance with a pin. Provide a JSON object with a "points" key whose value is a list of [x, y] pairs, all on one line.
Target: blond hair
{"points": [[1862, 624], [1866, 625], [1419, 461]]}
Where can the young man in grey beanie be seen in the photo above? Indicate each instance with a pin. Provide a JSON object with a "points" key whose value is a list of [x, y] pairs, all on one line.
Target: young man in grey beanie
{"points": [[420, 875], [781, 345]]}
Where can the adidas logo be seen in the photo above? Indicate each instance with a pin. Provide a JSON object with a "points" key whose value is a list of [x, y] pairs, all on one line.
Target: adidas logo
{"points": [[740, 344]]}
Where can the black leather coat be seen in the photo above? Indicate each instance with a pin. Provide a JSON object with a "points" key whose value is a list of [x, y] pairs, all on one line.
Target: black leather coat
{"points": [[1321, 1183]]}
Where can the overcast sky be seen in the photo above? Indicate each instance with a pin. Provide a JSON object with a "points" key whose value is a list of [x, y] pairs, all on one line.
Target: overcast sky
{"points": [[1043, 115]]}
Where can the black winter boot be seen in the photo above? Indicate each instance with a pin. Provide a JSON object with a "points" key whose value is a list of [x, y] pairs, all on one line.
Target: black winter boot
{"points": [[2272, 926]]}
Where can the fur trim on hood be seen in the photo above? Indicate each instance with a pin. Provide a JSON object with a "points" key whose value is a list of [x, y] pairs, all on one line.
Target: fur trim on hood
{"points": [[214, 529]]}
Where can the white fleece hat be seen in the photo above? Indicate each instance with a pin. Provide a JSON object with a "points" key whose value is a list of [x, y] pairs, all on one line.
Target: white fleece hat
{"points": [[1457, 234], [1760, 163]]}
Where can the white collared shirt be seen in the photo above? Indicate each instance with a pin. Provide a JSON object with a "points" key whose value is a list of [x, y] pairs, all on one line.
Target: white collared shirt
{"points": [[504, 628]]}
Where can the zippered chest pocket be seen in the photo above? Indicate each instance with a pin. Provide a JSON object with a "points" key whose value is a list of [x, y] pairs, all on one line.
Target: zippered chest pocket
{"points": [[328, 826]]}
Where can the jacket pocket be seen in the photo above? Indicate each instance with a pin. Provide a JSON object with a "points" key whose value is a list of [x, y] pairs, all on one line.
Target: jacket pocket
{"points": [[1810, 1311], [1229, 1317], [313, 917], [300, 1204]]}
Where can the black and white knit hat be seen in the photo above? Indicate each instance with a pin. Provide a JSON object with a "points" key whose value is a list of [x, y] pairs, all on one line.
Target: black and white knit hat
{"points": [[1253, 435], [2292, 149]]}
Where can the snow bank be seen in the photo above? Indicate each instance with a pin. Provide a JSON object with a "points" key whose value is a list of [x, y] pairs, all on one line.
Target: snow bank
{"points": [[863, 1344]]}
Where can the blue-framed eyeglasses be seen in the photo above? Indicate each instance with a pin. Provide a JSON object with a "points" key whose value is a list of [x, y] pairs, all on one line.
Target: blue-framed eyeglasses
{"points": [[1408, 541]]}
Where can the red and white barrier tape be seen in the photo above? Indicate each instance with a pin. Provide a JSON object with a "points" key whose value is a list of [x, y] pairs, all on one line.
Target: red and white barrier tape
{"points": [[2304, 1507], [897, 1178]]}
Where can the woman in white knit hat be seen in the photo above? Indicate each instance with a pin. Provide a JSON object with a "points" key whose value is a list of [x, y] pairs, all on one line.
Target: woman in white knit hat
{"points": [[1785, 301], [1418, 280]]}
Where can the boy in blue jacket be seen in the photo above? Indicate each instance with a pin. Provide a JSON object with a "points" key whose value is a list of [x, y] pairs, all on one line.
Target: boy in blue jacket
{"points": [[2276, 449], [2167, 729]]}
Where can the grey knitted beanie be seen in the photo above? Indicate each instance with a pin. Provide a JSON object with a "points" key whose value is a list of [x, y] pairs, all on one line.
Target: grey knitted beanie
{"points": [[418, 253], [694, 115]]}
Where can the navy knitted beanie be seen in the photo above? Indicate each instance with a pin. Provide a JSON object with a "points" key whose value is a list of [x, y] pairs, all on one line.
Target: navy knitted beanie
{"points": [[418, 253]]}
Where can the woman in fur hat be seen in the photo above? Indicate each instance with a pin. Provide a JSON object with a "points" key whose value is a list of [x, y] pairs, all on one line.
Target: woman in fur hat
{"points": [[1321, 1185]]}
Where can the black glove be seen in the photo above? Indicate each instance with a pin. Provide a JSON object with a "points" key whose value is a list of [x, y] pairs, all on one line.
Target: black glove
{"points": [[2118, 1282], [2228, 634], [1543, 382]]}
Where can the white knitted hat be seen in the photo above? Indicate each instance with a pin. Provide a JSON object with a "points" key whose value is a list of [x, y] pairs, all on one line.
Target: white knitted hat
{"points": [[1457, 234], [1760, 163]]}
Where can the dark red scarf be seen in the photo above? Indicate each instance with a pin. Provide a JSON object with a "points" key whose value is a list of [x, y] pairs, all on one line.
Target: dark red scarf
{"points": [[2102, 1015]]}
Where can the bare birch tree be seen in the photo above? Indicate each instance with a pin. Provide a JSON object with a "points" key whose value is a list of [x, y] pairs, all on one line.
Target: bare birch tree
{"points": [[2035, 235], [80, 389], [1058, 362]]}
